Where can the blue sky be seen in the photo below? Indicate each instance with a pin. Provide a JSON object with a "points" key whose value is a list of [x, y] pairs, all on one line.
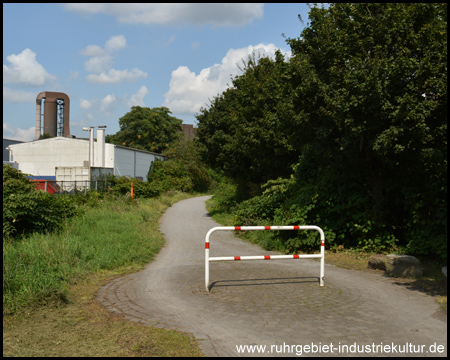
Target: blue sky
{"points": [[109, 57]]}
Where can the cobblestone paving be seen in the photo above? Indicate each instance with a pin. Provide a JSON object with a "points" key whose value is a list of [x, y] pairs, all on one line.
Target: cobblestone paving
{"points": [[276, 303]]}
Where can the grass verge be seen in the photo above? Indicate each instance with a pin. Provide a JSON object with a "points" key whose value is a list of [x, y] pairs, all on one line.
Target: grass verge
{"points": [[49, 284], [83, 327]]}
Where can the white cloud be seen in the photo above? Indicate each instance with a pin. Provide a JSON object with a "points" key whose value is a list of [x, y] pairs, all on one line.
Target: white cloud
{"points": [[116, 43], [24, 69], [116, 76], [92, 50], [216, 14], [15, 133], [101, 62], [189, 92], [101, 58], [97, 64], [137, 99], [85, 104], [109, 103], [17, 96]]}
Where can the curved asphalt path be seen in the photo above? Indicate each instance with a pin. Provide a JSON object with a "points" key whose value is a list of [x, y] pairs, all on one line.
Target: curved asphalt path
{"points": [[276, 302]]}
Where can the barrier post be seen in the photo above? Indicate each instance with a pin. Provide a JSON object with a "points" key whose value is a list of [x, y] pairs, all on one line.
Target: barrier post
{"points": [[207, 261], [265, 257], [322, 260], [131, 192]]}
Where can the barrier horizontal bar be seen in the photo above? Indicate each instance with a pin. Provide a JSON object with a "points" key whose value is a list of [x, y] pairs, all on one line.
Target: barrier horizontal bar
{"points": [[265, 257], [282, 227]]}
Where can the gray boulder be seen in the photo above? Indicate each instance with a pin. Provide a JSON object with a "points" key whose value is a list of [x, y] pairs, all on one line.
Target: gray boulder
{"points": [[397, 265]]}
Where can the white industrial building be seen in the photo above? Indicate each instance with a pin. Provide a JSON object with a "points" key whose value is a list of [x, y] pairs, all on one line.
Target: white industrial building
{"points": [[70, 159]]}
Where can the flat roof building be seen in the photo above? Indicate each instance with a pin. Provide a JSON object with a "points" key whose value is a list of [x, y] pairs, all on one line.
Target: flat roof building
{"points": [[44, 158]]}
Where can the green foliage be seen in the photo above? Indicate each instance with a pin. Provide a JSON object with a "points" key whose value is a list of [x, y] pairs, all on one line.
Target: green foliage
{"points": [[90, 198], [27, 210], [39, 268], [260, 210], [245, 129], [225, 199], [426, 223], [365, 113], [170, 175], [151, 129], [141, 189], [182, 171], [374, 106]]}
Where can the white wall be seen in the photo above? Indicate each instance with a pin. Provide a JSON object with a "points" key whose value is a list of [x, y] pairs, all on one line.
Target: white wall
{"points": [[134, 163], [40, 158], [109, 156]]}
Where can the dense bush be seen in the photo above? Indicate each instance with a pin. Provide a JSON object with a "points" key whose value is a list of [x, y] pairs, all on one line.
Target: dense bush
{"points": [[27, 210], [183, 170], [141, 189], [342, 214]]}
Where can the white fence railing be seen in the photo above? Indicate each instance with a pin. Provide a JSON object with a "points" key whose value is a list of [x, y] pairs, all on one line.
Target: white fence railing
{"points": [[320, 256]]}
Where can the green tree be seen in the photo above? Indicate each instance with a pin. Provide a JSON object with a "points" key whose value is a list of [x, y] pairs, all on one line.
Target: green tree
{"points": [[363, 101], [151, 129], [370, 95], [246, 129]]}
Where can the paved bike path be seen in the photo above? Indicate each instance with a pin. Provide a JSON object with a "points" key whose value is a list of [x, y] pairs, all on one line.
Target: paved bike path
{"points": [[277, 303]]}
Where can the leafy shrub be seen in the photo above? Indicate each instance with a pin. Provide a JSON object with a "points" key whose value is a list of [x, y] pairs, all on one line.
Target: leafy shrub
{"points": [[282, 203], [344, 211], [225, 198], [27, 210], [170, 175], [141, 189], [261, 209], [182, 171]]}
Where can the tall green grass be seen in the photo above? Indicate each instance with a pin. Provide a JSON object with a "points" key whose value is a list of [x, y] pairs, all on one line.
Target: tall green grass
{"points": [[39, 268]]}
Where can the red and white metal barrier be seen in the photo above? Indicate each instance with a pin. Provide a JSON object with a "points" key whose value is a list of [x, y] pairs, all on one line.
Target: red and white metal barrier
{"points": [[265, 257]]}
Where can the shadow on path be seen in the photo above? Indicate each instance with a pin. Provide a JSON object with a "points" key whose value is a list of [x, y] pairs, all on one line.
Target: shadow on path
{"points": [[258, 282]]}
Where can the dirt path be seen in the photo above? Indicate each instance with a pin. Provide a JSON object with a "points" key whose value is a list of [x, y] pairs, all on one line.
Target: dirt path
{"points": [[275, 303]]}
